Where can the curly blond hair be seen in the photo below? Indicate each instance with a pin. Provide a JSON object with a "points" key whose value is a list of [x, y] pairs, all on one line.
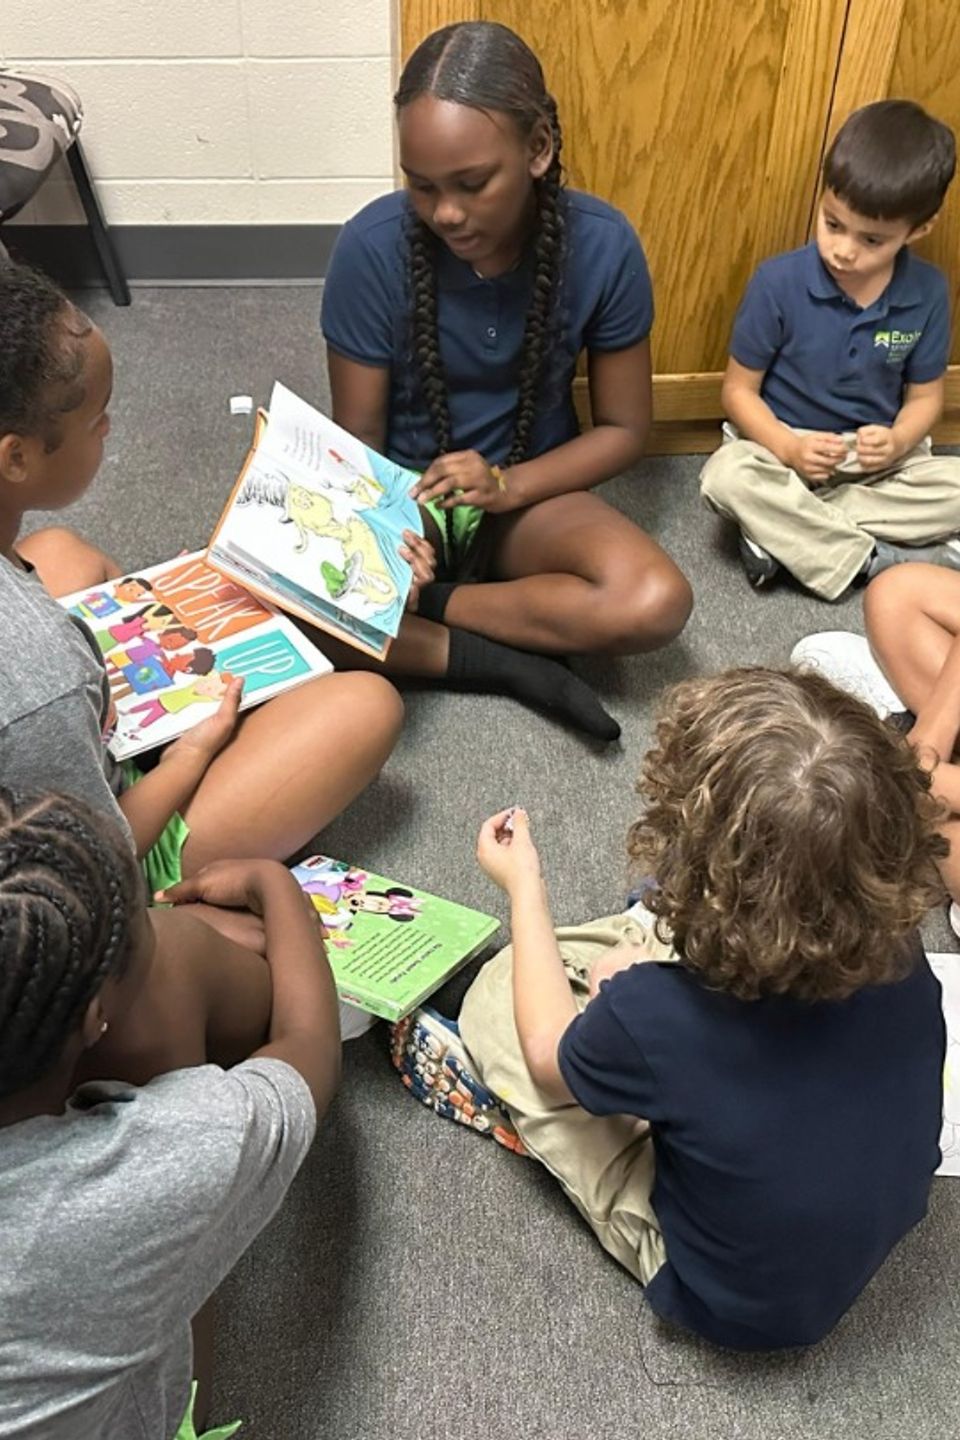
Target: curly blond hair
{"points": [[792, 836]]}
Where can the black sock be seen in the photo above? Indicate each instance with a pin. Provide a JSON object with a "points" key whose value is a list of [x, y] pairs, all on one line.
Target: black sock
{"points": [[433, 599], [487, 666]]}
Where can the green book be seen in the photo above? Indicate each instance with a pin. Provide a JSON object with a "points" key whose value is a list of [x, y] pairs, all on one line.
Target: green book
{"points": [[389, 946]]}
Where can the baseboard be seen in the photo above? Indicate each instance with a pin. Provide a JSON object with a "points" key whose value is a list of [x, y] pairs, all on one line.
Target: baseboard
{"points": [[179, 254]]}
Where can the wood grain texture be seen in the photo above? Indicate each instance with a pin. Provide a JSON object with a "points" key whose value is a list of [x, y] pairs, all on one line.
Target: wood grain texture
{"points": [[419, 17], [910, 49], [697, 120]]}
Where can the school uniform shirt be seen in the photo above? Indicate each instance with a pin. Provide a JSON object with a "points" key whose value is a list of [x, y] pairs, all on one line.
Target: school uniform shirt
{"points": [[119, 1218], [605, 303], [794, 1143], [830, 364]]}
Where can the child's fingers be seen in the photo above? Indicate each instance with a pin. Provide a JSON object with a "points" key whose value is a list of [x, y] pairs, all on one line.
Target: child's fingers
{"points": [[180, 894]]}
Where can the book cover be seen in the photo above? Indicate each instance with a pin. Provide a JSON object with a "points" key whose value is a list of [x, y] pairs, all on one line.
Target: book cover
{"points": [[389, 946], [315, 522], [173, 635]]}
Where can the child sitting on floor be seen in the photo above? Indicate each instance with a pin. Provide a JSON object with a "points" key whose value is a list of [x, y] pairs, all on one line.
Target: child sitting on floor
{"points": [[836, 373], [747, 1116], [125, 1199], [262, 783]]}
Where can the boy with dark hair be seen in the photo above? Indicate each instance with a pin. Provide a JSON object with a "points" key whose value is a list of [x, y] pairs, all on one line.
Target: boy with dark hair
{"points": [[836, 373]]}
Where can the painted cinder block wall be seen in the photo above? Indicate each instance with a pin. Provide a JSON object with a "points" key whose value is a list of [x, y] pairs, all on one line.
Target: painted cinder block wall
{"points": [[216, 111]]}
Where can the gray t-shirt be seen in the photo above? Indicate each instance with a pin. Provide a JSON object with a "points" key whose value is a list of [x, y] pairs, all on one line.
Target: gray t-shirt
{"points": [[119, 1218], [54, 698]]}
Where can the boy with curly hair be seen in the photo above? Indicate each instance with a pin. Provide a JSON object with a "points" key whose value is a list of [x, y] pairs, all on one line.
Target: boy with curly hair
{"points": [[741, 1093], [836, 373]]}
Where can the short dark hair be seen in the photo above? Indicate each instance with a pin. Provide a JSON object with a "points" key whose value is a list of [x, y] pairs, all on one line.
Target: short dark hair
{"points": [[70, 890], [892, 161], [41, 362]]}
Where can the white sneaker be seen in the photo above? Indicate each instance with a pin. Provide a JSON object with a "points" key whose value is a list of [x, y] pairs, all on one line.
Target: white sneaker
{"points": [[847, 660], [953, 915]]}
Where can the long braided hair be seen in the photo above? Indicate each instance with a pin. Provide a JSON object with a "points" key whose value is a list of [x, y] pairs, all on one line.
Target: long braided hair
{"points": [[487, 67], [69, 895]]}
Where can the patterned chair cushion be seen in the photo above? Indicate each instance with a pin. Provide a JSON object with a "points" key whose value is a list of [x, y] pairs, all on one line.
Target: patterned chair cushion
{"points": [[39, 121]]}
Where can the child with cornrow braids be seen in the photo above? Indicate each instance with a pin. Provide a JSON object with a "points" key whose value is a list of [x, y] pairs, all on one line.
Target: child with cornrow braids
{"points": [[135, 1168], [454, 313]]}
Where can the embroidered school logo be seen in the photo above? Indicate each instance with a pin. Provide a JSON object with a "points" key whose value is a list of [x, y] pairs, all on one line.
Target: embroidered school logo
{"points": [[897, 343]]}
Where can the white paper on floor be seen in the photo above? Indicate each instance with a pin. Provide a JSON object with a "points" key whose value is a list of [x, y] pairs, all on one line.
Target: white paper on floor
{"points": [[947, 970]]}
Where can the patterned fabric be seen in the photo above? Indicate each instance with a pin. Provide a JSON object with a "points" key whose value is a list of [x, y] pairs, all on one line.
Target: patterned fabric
{"points": [[39, 121]]}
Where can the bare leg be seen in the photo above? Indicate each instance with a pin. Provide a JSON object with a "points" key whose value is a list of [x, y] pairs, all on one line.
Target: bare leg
{"points": [[292, 767], [912, 614], [574, 575], [203, 1325], [64, 561]]}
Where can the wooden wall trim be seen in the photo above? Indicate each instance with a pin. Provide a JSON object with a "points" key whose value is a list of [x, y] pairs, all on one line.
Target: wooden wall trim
{"points": [[687, 412]]}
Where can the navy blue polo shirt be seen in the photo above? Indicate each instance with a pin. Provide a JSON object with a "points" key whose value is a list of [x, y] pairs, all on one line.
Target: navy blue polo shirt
{"points": [[606, 303], [831, 365], [795, 1143]]}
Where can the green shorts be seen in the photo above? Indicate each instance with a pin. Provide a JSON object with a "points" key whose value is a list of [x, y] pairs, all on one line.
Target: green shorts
{"points": [[466, 520], [188, 1432], [161, 865]]}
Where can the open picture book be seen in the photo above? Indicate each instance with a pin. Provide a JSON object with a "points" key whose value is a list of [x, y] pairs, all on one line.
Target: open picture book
{"points": [[172, 636], [314, 525], [389, 946]]}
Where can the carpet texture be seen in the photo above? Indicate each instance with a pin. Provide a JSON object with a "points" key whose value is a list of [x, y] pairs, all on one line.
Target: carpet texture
{"points": [[419, 1281]]}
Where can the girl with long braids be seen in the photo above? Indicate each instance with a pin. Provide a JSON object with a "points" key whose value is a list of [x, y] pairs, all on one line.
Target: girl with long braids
{"points": [[135, 1167], [454, 313]]}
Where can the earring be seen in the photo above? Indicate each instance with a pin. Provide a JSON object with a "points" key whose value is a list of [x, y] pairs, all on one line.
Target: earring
{"points": [[104, 1027]]}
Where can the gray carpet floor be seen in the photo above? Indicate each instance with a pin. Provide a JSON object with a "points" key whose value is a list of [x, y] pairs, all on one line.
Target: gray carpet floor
{"points": [[419, 1281]]}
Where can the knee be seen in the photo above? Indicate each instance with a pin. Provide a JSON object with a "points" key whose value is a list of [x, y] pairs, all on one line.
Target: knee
{"points": [[887, 599], [723, 477], [373, 707], [651, 611], [64, 561]]}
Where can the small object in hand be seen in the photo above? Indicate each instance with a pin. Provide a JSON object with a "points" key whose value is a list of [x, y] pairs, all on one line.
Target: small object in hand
{"points": [[500, 478], [241, 404], [507, 827]]}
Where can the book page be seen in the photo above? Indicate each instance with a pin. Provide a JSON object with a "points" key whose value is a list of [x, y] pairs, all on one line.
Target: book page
{"points": [[389, 945], [172, 636], [324, 513]]}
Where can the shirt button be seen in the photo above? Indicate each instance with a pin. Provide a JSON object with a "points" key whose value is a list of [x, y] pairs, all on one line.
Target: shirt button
{"points": [[491, 332]]}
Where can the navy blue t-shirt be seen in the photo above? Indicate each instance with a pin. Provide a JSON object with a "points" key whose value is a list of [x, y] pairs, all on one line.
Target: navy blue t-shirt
{"points": [[831, 365], [606, 303], [794, 1143]]}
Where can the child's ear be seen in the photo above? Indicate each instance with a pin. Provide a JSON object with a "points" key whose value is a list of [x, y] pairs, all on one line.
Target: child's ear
{"points": [[94, 1024], [14, 459], [919, 231], [541, 150]]}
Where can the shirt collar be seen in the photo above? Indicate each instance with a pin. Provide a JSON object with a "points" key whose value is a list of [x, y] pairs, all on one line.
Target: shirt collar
{"points": [[902, 291]]}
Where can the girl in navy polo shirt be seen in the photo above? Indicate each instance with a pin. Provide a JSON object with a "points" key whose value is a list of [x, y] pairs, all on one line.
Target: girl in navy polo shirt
{"points": [[454, 313]]}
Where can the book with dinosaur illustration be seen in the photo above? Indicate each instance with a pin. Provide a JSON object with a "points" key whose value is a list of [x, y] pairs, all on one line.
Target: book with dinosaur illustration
{"points": [[314, 525], [389, 946], [172, 637]]}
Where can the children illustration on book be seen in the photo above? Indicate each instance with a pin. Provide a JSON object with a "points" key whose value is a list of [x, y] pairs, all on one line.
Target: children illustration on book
{"points": [[339, 893], [172, 639]]}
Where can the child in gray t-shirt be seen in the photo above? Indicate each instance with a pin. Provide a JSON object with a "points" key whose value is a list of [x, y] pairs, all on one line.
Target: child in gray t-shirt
{"points": [[125, 1199], [261, 784]]}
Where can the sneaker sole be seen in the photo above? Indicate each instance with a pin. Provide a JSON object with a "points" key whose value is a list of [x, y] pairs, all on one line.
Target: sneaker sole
{"points": [[436, 1075]]}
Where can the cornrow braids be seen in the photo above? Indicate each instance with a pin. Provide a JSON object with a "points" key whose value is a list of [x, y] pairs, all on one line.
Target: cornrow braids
{"points": [[547, 268], [486, 66], [69, 894]]}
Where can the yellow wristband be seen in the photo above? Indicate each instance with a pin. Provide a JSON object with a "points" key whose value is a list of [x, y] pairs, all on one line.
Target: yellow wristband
{"points": [[500, 478]]}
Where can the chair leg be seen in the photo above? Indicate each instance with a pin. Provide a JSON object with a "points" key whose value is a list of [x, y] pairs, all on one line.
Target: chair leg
{"points": [[99, 232]]}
